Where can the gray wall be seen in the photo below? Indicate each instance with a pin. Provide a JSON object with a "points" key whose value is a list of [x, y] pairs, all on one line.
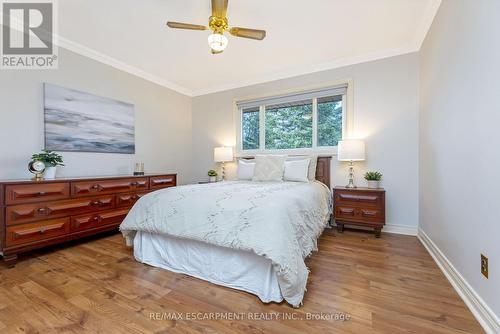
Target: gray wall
{"points": [[459, 146], [162, 120], [385, 114]]}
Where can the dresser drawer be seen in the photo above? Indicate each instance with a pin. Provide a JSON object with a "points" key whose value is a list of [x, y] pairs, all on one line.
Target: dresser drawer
{"points": [[84, 222], [28, 233], [127, 200], [359, 198], [359, 214], [48, 210], [29, 193], [158, 182], [89, 188]]}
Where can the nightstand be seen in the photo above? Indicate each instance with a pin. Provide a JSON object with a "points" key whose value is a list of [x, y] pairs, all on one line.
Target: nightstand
{"points": [[359, 206]]}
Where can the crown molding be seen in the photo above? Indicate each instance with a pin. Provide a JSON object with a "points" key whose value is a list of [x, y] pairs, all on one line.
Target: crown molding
{"points": [[102, 58]]}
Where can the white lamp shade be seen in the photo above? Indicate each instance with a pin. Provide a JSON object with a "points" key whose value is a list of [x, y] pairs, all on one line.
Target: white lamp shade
{"points": [[351, 150], [223, 154]]}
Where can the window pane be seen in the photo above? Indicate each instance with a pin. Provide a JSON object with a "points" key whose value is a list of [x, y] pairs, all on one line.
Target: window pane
{"points": [[250, 128], [289, 125], [329, 120]]}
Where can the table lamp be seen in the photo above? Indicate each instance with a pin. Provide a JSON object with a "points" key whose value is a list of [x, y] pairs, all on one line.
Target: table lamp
{"points": [[351, 150], [223, 155]]}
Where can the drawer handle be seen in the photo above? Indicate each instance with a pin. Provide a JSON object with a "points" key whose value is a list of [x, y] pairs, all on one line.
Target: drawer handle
{"points": [[133, 184], [41, 193], [96, 203], [162, 181], [43, 230], [95, 187], [41, 210]]}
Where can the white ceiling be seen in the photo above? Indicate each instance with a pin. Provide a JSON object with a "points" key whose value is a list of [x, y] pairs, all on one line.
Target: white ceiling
{"points": [[302, 37]]}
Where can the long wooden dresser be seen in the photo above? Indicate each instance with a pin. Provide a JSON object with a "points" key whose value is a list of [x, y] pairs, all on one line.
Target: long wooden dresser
{"points": [[35, 214]]}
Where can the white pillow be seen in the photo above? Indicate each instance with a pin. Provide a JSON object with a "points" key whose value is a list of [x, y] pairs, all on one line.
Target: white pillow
{"points": [[269, 168], [311, 174], [245, 169], [297, 170]]}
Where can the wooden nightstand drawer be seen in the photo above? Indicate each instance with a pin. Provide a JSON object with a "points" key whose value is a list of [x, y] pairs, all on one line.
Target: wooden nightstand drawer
{"points": [[345, 212], [358, 198], [374, 215]]}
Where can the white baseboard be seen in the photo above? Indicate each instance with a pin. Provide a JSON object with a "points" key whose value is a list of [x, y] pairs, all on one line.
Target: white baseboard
{"points": [[396, 229], [484, 315], [400, 229]]}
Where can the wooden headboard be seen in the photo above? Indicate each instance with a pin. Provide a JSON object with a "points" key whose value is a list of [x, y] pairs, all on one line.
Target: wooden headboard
{"points": [[322, 170]]}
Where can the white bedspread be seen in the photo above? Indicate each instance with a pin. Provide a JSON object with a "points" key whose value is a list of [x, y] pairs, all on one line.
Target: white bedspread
{"points": [[233, 268], [280, 221]]}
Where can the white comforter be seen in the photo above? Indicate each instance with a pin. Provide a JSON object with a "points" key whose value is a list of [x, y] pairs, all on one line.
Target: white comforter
{"points": [[278, 220]]}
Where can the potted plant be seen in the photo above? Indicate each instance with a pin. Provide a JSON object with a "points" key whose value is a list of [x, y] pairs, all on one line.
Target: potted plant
{"points": [[373, 178], [212, 175], [51, 161]]}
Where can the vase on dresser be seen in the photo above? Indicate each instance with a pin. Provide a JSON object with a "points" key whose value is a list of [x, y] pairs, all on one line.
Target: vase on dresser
{"points": [[50, 172], [373, 184]]}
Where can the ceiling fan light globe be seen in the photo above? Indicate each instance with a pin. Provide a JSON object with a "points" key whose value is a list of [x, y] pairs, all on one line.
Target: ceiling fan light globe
{"points": [[217, 42]]}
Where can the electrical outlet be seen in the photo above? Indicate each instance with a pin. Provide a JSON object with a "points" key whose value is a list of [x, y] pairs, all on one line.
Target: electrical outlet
{"points": [[484, 266]]}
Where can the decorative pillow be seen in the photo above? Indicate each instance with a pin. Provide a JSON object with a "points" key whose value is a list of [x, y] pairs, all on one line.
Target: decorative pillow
{"points": [[311, 174], [245, 169], [297, 170], [269, 168]]}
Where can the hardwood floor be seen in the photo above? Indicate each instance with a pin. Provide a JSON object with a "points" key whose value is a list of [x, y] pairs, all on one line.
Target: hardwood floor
{"points": [[387, 285]]}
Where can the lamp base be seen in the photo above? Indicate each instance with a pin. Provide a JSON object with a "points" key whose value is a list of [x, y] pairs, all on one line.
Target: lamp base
{"points": [[223, 171], [351, 185]]}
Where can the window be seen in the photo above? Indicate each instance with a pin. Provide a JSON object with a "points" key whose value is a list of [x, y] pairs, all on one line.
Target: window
{"points": [[304, 120], [329, 120], [289, 125], [250, 128]]}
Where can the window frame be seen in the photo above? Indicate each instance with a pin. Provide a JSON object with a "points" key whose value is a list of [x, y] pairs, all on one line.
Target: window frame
{"points": [[347, 122]]}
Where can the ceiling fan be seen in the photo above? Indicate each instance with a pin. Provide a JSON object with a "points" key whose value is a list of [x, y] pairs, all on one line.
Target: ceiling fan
{"points": [[218, 23]]}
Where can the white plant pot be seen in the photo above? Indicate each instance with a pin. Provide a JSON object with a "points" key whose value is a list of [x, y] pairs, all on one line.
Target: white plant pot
{"points": [[50, 173], [373, 184], [212, 178]]}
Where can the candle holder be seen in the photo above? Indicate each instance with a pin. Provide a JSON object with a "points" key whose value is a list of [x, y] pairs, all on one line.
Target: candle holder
{"points": [[139, 168]]}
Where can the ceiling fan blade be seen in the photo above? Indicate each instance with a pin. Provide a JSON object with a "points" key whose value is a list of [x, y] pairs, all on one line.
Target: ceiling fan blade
{"points": [[248, 33], [179, 25], [219, 8]]}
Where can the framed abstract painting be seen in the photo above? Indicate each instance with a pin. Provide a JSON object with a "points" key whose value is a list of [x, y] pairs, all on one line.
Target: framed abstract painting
{"points": [[81, 122]]}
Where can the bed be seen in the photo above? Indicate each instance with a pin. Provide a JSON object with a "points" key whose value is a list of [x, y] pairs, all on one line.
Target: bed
{"points": [[250, 236]]}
